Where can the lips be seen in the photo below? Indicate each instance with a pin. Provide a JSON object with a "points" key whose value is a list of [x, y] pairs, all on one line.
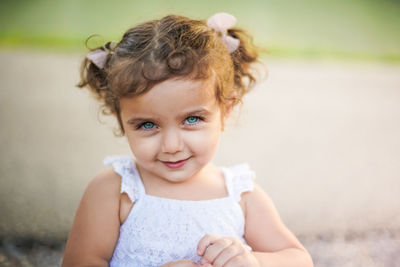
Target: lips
{"points": [[175, 164]]}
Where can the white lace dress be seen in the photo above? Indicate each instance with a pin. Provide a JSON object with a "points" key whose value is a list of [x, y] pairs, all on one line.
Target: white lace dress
{"points": [[160, 230]]}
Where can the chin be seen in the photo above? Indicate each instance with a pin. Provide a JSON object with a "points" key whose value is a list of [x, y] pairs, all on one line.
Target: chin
{"points": [[177, 176]]}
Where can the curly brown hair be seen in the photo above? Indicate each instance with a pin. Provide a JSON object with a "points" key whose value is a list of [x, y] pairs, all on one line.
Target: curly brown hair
{"points": [[172, 47]]}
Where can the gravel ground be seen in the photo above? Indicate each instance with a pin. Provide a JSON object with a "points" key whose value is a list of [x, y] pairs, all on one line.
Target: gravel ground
{"points": [[373, 249], [30, 254]]}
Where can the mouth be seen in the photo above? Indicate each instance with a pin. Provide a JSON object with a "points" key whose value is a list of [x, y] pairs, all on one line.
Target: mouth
{"points": [[175, 164]]}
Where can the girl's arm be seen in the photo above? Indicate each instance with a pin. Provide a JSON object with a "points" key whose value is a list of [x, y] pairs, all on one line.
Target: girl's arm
{"points": [[95, 229], [272, 243]]}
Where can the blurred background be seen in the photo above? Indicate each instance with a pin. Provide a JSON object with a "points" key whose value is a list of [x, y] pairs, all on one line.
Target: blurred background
{"points": [[321, 132]]}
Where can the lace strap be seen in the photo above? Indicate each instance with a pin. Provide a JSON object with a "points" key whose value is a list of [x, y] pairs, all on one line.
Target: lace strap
{"points": [[239, 179], [130, 179]]}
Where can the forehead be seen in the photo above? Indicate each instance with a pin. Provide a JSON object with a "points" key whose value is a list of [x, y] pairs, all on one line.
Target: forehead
{"points": [[172, 96]]}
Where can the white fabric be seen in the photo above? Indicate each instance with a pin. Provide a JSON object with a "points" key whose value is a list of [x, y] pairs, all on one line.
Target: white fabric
{"points": [[159, 230]]}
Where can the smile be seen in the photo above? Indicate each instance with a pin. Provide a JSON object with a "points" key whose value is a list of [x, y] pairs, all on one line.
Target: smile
{"points": [[175, 164]]}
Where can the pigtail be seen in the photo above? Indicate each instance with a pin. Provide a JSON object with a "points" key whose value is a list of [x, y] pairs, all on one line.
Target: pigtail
{"points": [[95, 70], [245, 61], [93, 78]]}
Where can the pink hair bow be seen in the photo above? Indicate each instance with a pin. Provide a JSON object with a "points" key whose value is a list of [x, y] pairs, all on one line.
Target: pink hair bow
{"points": [[99, 56], [221, 22]]}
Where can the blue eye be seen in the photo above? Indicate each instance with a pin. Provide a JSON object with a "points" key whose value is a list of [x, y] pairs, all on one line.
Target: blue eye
{"points": [[147, 125], [192, 119]]}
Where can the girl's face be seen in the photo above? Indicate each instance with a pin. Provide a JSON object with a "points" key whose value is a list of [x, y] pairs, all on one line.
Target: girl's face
{"points": [[174, 129]]}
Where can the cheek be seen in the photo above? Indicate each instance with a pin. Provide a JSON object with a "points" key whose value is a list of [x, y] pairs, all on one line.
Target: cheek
{"points": [[206, 142], [143, 148]]}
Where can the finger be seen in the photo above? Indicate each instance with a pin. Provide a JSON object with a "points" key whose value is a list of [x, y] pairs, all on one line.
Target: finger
{"points": [[243, 259], [204, 242], [188, 263], [227, 254], [214, 249], [181, 263], [239, 260]]}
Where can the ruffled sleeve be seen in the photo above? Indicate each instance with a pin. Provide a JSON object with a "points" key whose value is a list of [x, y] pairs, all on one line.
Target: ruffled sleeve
{"points": [[239, 179], [130, 180]]}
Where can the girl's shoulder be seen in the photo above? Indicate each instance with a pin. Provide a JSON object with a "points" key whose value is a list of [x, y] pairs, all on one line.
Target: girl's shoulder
{"points": [[98, 212], [103, 188], [106, 179]]}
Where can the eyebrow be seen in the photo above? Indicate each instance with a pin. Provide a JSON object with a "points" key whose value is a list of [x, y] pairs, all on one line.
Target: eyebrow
{"points": [[138, 120], [200, 111]]}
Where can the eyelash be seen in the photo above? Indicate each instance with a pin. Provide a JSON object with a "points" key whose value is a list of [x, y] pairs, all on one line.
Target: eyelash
{"points": [[141, 126], [199, 119]]}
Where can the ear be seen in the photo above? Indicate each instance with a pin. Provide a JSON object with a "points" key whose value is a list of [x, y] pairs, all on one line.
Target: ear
{"points": [[229, 108], [230, 104]]}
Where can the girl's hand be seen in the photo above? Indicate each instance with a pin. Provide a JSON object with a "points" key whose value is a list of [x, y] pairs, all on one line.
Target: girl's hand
{"points": [[180, 263], [219, 251]]}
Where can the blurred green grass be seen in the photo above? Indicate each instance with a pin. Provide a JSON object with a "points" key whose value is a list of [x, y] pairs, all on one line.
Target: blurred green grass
{"points": [[357, 29]]}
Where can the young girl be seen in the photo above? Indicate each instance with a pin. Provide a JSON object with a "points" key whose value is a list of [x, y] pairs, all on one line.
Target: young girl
{"points": [[171, 84]]}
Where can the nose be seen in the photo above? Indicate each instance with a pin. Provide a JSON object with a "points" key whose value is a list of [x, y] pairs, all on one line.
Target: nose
{"points": [[172, 141]]}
